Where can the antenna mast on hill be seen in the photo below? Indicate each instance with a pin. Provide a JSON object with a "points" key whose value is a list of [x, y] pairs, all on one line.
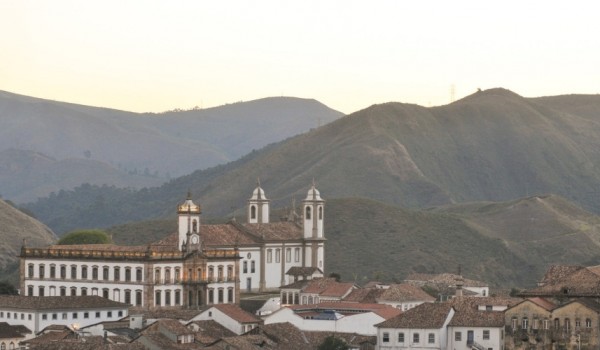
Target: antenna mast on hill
{"points": [[452, 92]]}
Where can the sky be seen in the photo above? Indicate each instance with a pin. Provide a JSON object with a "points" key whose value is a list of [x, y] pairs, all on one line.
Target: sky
{"points": [[153, 56]]}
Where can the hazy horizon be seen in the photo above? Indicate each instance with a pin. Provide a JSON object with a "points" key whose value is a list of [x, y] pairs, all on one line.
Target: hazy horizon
{"points": [[156, 56]]}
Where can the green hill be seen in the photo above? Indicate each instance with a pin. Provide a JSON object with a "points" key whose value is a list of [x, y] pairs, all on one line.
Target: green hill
{"points": [[507, 244], [493, 145]]}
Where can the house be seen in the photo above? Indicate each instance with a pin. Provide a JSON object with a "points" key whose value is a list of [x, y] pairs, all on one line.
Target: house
{"points": [[422, 327], [446, 284], [478, 323], [313, 291], [11, 336], [207, 332], [166, 334], [231, 317], [334, 317], [529, 319], [563, 283], [196, 266], [576, 324], [37, 313], [403, 296]]}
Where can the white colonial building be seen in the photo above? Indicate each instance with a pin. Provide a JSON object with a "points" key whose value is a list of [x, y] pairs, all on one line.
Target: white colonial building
{"points": [[195, 266]]}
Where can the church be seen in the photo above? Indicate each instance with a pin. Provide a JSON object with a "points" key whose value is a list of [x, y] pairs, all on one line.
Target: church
{"points": [[197, 265]]}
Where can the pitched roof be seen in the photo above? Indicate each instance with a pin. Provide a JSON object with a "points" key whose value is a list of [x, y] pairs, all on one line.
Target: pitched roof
{"points": [[587, 302], [10, 331], [364, 295], [210, 331], [237, 313], [580, 282], [427, 315], [282, 230], [404, 292], [444, 278], [303, 271], [543, 303], [383, 310], [173, 326], [337, 290], [58, 303]]}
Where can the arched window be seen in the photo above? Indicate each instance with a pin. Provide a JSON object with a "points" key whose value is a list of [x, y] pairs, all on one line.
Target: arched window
{"points": [[117, 273], [320, 213], [220, 272], [138, 274], [30, 270], [167, 275], [63, 272], [230, 295], [94, 272], [167, 297], [73, 291], [84, 270], [41, 270], [195, 226], [177, 274], [117, 294], [128, 274], [127, 296], [157, 275], [157, 298], [253, 212], [52, 271], [105, 273], [138, 297], [3, 346], [307, 213]]}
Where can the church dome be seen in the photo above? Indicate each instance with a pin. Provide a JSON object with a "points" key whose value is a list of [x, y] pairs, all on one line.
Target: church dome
{"points": [[313, 194], [188, 206], [258, 193]]}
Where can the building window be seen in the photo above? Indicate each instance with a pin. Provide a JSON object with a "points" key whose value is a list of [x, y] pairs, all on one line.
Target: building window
{"points": [[138, 274], [513, 323], [199, 274], [220, 273], [41, 271], [117, 273], [546, 323], [230, 272], [138, 297], [486, 334], [127, 296], [253, 212], [577, 323], [84, 271], [416, 338], [97, 314], [64, 316], [55, 316], [167, 275], [556, 323], [73, 272], [157, 298], [535, 324], [277, 255], [220, 295], [307, 213], [30, 270], [297, 254], [177, 297], [44, 316], [431, 338], [211, 296], [105, 293], [109, 314], [288, 254], [400, 337], [525, 323], [269, 255], [73, 291], [116, 294], [588, 323], [30, 291], [230, 295], [567, 324], [386, 337], [86, 315], [127, 274], [245, 268], [63, 272], [252, 267], [95, 291], [320, 213], [74, 315], [95, 273], [63, 291], [105, 273], [52, 271], [120, 313], [168, 298], [83, 291], [41, 291], [177, 274]]}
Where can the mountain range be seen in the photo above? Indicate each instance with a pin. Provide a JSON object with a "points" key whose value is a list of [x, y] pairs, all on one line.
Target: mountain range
{"points": [[106, 146], [500, 184]]}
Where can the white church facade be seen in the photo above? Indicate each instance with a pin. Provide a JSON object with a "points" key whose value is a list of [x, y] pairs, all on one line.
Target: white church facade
{"points": [[197, 265]]}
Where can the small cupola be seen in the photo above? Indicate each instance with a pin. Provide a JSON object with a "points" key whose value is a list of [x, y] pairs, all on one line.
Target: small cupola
{"points": [[188, 221], [258, 206]]}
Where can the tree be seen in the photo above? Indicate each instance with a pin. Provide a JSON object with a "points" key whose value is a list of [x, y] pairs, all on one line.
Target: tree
{"points": [[336, 275], [85, 237], [7, 289], [333, 343]]}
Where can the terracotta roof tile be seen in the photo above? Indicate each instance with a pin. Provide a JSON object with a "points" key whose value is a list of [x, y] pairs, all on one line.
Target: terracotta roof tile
{"points": [[337, 290], [210, 331], [404, 292], [364, 295], [49, 303], [427, 315], [283, 230], [445, 278], [237, 313]]}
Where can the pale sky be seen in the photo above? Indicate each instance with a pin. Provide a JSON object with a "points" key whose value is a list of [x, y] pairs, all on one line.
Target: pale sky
{"points": [[152, 56]]}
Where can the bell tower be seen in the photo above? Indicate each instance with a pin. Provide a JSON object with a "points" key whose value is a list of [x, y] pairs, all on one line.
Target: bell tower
{"points": [[258, 206], [188, 214], [313, 213]]}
